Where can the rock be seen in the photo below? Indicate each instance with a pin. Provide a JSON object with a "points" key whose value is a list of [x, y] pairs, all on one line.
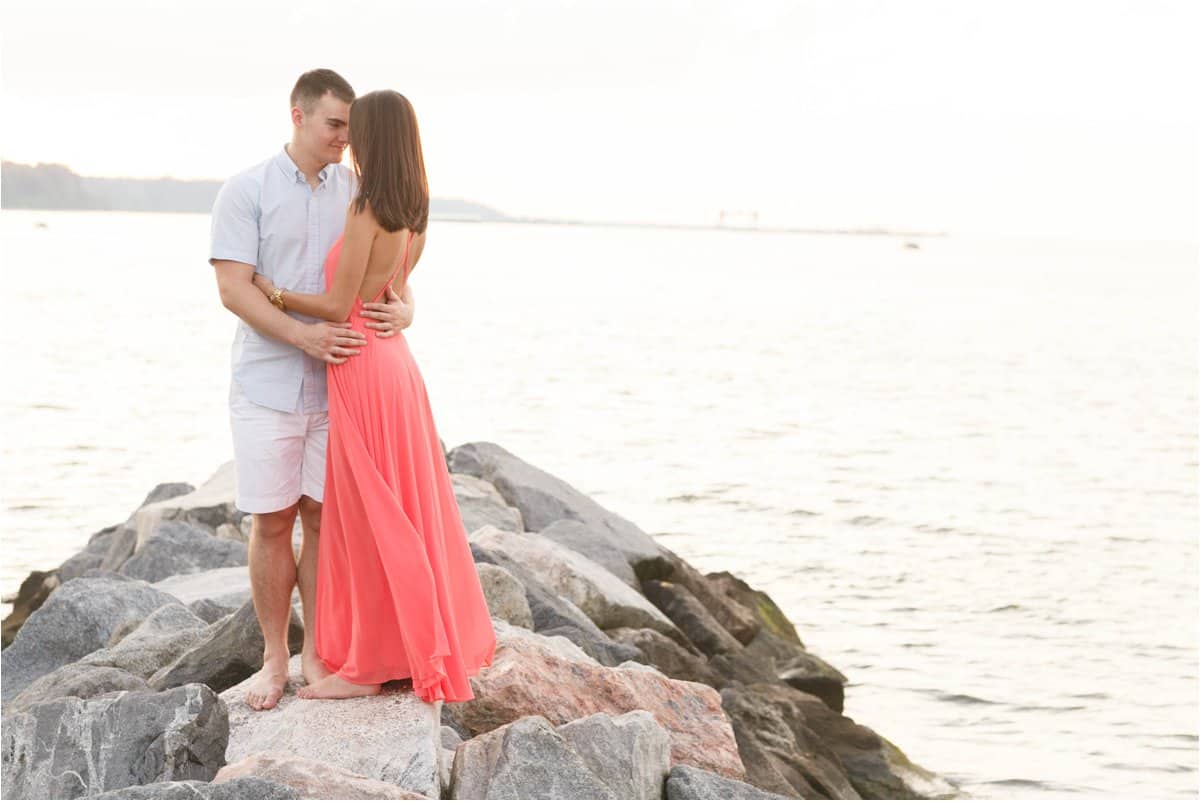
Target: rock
{"points": [[391, 737], [555, 614], [733, 617], [669, 656], [120, 547], [173, 547], [630, 753], [226, 587], [691, 617], [207, 507], [75, 679], [875, 767], [229, 651], [165, 492], [788, 661], [34, 591], [308, 778], [505, 595], [685, 781], [480, 505], [91, 556], [523, 759], [248, 787], [209, 610], [598, 646], [551, 677], [158, 640], [587, 540], [228, 531], [543, 499], [741, 668], [758, 603], [450, 737], [75, 620], [781, 753], [70, 747], [604, 598]]}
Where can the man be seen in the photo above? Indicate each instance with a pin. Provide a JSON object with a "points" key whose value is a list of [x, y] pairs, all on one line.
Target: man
{"points": [[280, 218]]}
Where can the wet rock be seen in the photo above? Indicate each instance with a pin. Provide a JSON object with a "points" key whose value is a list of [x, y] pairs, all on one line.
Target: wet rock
{"points": [[668, 656], [701, 628], [758, 602], [733, 617]]}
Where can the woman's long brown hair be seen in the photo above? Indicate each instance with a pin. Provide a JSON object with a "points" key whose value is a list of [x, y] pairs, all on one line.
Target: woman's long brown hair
{"points": [[385, 146]]}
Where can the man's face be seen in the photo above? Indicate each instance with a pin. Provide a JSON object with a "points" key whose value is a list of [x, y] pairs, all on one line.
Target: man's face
{"points": [[324, 133]]}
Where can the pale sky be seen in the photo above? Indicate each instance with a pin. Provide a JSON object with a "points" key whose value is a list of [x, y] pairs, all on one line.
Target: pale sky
{"points": [[1044, 118]]}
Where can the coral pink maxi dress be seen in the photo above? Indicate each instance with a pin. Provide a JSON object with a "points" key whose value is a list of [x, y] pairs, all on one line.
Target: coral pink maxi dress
{"points": [[398, 594]]}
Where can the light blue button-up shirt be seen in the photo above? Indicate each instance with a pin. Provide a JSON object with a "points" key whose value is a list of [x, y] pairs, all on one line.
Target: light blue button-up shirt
{"points": [[269, 217]]}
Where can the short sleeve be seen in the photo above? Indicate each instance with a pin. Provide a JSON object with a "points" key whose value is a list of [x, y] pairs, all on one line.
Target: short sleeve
{"points": [[234, 233]]}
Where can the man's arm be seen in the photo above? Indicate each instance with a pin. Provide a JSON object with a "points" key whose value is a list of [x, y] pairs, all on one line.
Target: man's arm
{"points": [[329, 342]]}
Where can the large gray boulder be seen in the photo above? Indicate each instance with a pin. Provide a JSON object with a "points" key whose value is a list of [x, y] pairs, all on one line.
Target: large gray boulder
{"points": [[630, 753], [667, 655], [687, 781], [591, 541], [226, 587], [524, 759], [206, 507], [543, 499], [605, 599], [392, 737], [479, 504], [228, 652], [173, 547], [71, 747], [75, 620], [310, 778], [75, 679]]}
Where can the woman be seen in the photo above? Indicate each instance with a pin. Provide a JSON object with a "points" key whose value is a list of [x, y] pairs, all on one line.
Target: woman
{"points": [[397, 590]]}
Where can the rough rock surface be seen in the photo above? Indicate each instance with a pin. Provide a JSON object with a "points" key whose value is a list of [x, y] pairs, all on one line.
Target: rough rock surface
{"points": [[310, 778], [174, 547], [686, 781], [479, 504], [392, 737], [69, 747], [630, 753], [505, 595]]}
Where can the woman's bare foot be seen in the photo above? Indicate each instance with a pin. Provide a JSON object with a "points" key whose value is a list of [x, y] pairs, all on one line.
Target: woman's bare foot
{"points": [[266, 688], [313, 668], [334, 686]]}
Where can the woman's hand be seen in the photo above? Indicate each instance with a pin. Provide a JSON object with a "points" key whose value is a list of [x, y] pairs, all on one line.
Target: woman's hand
{"points": [[264, 284]]}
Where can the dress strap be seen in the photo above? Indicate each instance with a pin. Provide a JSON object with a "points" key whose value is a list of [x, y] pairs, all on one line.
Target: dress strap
{"points": [[402, 266]]}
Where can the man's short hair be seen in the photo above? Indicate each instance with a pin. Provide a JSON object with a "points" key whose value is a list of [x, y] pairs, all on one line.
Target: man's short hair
{"points": [[313, 85]]}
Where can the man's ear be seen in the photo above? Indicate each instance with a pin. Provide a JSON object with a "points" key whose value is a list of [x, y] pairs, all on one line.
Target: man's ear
{"points": [[297, 116]]}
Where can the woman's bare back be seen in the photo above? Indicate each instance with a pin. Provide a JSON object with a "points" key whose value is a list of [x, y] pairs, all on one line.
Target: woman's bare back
{"points": [[386, 252]]}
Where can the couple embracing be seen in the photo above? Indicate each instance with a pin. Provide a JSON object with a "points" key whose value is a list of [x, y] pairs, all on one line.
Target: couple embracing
{"points": [[329, 413]]}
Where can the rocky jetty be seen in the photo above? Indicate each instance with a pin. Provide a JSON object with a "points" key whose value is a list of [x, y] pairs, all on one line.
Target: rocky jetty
{"points": [[620, 671]]}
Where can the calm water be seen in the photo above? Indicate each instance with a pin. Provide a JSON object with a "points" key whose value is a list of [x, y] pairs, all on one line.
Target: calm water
{"points": [[967, 472]]}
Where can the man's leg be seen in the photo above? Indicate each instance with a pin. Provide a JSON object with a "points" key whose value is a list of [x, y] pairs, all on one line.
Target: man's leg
{"points": [[272, 578], [310, 521]]}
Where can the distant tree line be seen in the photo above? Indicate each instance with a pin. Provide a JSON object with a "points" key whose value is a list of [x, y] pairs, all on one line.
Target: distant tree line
{"points": [[54, 186]]}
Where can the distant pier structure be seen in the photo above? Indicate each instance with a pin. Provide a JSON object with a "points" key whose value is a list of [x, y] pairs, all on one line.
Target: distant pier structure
{"points": [[738, 219]]}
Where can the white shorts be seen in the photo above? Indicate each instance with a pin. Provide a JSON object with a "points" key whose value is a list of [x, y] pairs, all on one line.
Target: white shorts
{"points": [[280, 455]]}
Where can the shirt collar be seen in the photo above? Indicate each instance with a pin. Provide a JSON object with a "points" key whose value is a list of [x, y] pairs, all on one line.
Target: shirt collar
{"points": [[289, 168]]}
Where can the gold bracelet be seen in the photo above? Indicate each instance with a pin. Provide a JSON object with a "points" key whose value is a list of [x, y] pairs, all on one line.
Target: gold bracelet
{"points": [[277, 299]]}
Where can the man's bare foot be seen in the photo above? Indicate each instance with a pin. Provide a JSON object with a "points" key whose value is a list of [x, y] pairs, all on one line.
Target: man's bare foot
{"points": [[334, 686], [313, 668], [266, 688]]}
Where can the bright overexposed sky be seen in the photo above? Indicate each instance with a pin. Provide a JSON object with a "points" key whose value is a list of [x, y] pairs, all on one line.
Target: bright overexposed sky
{"points": [[1043, 118]]}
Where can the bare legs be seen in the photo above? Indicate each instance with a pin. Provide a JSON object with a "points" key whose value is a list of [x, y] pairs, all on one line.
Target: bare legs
{"points": [[310, 521], [272, 577]]}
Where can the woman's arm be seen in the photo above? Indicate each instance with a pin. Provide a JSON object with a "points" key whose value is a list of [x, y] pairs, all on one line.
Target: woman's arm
{"points": [[335, 305]]}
